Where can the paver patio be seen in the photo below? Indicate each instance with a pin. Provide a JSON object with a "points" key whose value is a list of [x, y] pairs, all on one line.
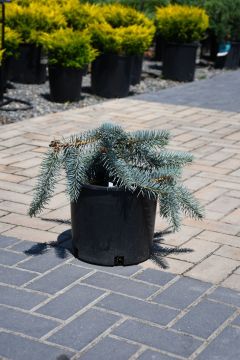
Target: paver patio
{"points": [[54, 304]]}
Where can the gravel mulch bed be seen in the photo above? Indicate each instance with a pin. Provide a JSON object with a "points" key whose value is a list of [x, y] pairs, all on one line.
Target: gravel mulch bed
{"points": [[38, 95]]}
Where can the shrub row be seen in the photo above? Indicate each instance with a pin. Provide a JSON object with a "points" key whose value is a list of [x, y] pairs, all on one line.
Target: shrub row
{"points": [[74, 33], [111, 26], [224, 15]]}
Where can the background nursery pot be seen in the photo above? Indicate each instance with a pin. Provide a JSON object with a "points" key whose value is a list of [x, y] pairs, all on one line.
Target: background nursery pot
{"points": [[1, 76], [224, 18], [159, 48], [111, 226], [27, 20], [111, 75], [1, 85], [114, 225], [181, 27], [121, 41], [137, 63], [65, 83], [29, 67], [179, 61], [233, 57], [68, 54]]}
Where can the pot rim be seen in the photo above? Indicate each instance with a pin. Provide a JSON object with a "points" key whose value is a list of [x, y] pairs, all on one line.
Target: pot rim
{"points": [[104, 188], [113, 54], [192, 44], [62, 67]]}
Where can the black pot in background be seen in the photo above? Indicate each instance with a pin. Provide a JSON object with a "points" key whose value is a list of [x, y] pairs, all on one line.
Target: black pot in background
{"points": [[29, 67], [137, 63], [65, 83], [85, 70], [1, 84], [209, 47], [111, 75], [233, 57], [229, 60], [112, 226], [159, 48], [179, 61], [220, 62], [4, 75]]}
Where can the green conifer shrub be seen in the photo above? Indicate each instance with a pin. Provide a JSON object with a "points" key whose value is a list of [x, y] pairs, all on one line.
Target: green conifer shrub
{"points": [[135, 161], [181, 23], [31, 20], [11, 42], [146, 6], [224, 18], [79, 16], [118, 15], [198, 3], [68, 48], [1, 56], [129, 40]]}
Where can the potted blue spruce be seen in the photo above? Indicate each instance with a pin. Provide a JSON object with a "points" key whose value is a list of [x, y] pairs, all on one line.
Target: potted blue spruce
{"points": [[114, 180], [69, 52]]}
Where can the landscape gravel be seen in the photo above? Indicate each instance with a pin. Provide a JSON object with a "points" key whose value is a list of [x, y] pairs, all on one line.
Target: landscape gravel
{"points": [[38, 95]]}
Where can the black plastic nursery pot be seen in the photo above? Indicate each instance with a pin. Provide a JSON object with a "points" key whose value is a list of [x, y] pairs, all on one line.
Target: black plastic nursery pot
{"points": [[179, 61], [230, 60], [65, 83], [233, 57], [220, 62], [209, 47], [1, 84], [4, 75], [111, 226], [137, 63], [159, 48], [29, 67], [111, 75]]}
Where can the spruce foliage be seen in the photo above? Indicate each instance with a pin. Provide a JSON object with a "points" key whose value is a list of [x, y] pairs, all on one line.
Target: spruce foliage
{"points": [[136, 161]]}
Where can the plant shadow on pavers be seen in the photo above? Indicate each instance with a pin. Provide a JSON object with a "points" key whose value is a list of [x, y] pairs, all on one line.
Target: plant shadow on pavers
{"points": [[63, 357], [63, 246], [158, 252]]}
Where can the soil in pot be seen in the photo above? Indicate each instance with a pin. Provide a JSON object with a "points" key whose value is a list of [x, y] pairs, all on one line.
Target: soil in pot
{"points": [[112, 226], [179, 61], [111, 75], [65, 83], [29, 67]]}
